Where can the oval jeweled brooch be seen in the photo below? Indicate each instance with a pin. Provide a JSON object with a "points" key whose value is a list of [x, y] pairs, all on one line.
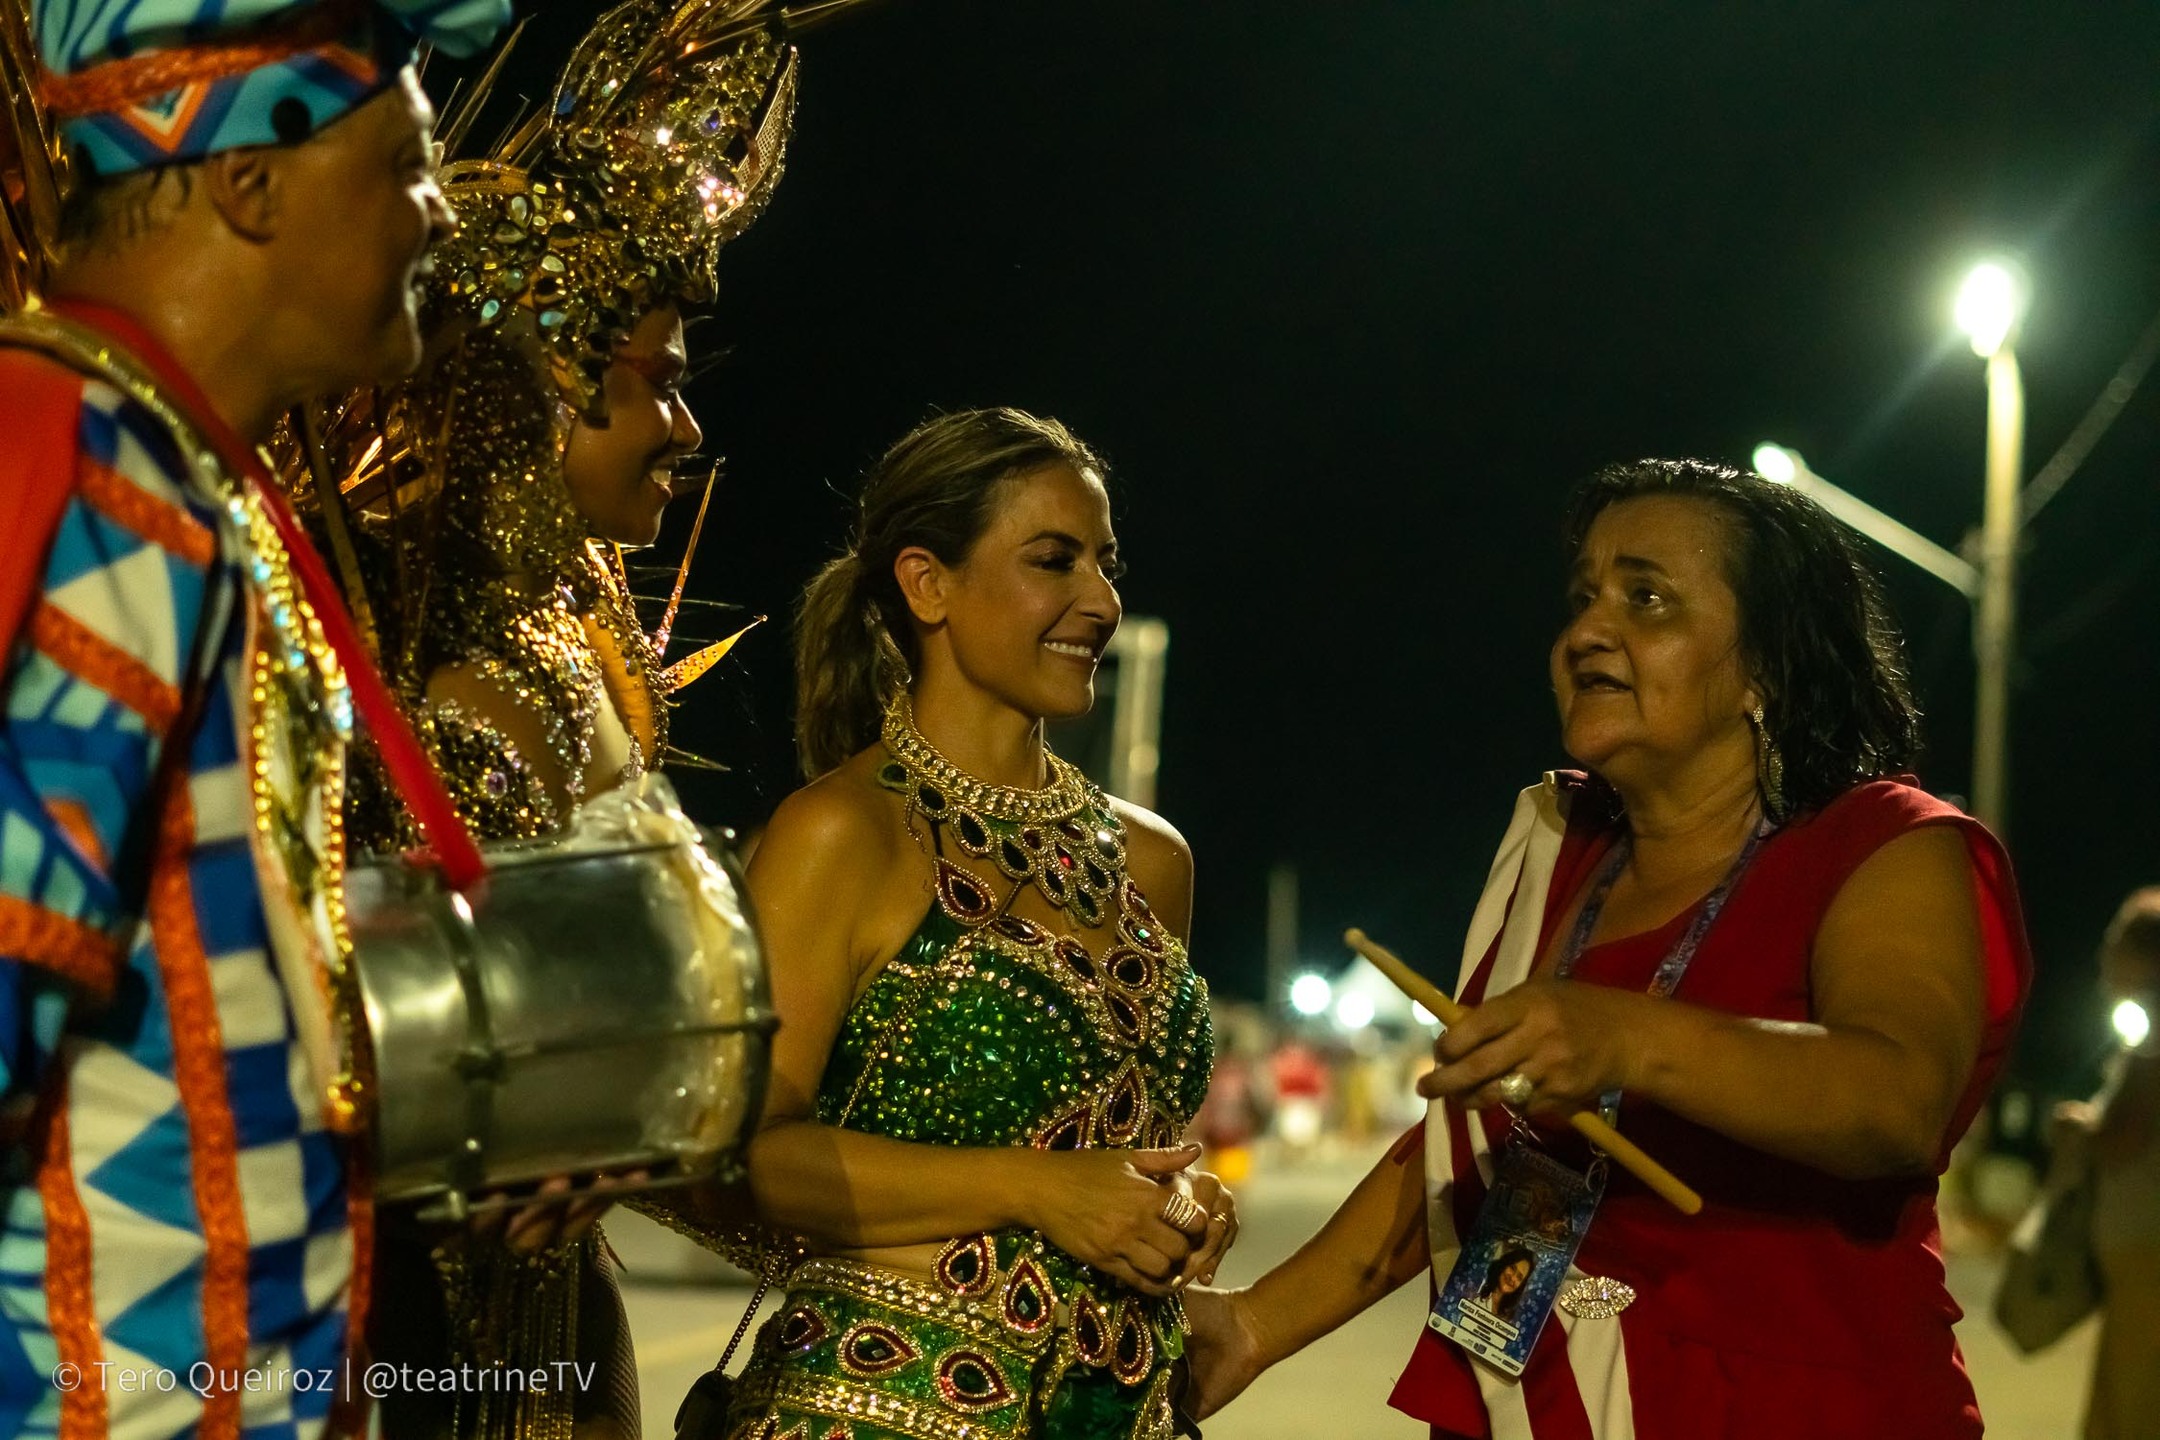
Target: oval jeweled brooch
{"points": [[1596, 1297]]}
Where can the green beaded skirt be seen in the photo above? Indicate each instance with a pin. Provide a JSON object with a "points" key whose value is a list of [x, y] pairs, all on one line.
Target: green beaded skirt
{"points": [[1014, 1341]]}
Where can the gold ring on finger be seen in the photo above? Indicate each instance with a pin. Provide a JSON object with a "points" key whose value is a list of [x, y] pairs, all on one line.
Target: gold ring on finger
{"points": [[1180, 1210]]}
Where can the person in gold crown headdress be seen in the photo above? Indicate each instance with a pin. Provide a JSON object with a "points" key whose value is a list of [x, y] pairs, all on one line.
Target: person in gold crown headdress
{"points": [[479, 511], [491, 495]]}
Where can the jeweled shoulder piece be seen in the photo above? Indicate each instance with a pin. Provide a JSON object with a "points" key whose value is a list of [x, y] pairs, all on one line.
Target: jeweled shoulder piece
{"points": [[33, 165]]}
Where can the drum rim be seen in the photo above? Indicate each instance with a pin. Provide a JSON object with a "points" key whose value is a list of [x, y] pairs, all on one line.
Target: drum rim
{"points": [[521, 854]]}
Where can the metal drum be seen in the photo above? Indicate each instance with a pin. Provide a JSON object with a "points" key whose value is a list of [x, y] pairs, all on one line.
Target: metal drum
{"points": [[598, 1005]]}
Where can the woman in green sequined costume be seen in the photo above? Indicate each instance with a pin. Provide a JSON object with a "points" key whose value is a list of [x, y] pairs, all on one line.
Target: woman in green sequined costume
{"points": [[991, 1042]]}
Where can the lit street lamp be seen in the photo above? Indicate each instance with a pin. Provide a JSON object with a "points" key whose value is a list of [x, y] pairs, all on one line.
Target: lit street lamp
{"points": [[1988, 309], [1789, 467]]}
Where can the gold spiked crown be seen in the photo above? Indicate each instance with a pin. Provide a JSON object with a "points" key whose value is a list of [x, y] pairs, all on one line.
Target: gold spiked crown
{"points": [[666, 136]]}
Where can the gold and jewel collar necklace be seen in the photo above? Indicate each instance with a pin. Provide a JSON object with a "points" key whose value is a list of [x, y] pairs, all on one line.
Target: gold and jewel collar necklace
{"points": [[935, 786]]}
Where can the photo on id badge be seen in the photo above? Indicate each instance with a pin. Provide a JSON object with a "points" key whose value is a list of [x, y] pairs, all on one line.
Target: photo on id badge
{"points": [[1515, 1258]]}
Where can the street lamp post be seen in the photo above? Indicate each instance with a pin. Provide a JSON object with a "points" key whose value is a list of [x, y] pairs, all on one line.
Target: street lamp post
{"points": [[1988, 310]]}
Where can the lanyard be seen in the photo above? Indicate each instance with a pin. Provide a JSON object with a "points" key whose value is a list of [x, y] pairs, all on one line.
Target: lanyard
{"points": [[1676, 961], [1667, 977]]}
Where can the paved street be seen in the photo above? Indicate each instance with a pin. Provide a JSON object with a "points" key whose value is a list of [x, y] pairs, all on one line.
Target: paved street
{"points": [[682, 1313]]}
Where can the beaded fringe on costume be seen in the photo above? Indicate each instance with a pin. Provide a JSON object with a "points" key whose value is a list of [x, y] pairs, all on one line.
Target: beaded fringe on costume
{"points": [[511, 1312]]}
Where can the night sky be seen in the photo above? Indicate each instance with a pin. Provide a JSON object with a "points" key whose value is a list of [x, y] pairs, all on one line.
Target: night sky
{"points": [[1350, 293]]}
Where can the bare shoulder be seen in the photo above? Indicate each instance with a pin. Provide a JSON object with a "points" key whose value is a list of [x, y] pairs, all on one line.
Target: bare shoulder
{"points": [[837, 873], [1905, 922], [844, 817], [1149, 838], [1160, 863]]}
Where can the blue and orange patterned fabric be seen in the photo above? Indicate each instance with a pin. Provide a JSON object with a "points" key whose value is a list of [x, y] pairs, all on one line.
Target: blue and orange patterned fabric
{"points": [[175, 1209], [140, 83]]}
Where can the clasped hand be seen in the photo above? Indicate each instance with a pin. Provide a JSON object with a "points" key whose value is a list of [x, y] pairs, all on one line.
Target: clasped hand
{"points": [[1106, 1208], [1573, 1042], [556, 1213]]}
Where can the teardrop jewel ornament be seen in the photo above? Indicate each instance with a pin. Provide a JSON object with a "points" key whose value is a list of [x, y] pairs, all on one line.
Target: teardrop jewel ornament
{"points": [[870, 1350], [968, 1266], [1091, 1330], [1068, 1131], [966, 898], [971, 1384], [803, 1328], [1135, 1352], [1028, 1303], [1127, 1108]]}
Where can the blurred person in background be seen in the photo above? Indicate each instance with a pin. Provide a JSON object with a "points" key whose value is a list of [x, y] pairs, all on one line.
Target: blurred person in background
{"points": [[2118, 1135], [1231, 1116], [1300, 1077]]}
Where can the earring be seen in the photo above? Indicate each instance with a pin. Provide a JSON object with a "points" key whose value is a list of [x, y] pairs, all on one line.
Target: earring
{"points": [[1769, 765]]}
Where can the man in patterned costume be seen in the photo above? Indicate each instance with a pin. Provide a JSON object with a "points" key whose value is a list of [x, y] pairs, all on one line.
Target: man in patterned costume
{"points": [[249, 196]]}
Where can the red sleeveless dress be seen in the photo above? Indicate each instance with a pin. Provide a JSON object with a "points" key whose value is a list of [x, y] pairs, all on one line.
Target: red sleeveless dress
{"points": [[1796, 1304]]}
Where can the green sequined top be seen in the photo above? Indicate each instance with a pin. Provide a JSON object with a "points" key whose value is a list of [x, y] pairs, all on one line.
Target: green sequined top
{"points": [[989, 1029]]}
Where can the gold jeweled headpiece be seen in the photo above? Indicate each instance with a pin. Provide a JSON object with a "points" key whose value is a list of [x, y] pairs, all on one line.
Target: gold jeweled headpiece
{"points": [[663, 140], [666, 136]]}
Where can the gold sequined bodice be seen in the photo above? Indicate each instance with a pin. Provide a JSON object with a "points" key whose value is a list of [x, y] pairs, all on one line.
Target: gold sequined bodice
{"points": [[490, 570]]}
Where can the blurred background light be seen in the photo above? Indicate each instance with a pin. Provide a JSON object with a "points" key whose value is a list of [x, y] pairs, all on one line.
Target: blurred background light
{"points": [[1310, 994], [2132, 1023], [1775, 463], [1354, 1011]]}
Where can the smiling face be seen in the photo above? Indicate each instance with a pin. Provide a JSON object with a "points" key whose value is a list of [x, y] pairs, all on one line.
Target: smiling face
{"points": [[621, 474], [1512, 1279], [362, 212], [1648, 671], [1028, 614]]}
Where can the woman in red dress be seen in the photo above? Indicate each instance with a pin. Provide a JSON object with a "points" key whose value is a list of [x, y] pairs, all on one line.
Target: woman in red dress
{"points": [[1851, 961]]}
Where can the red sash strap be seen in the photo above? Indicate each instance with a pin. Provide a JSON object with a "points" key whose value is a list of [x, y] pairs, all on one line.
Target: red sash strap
{"points": [[456, 854], [415, 777], [37, 475]]}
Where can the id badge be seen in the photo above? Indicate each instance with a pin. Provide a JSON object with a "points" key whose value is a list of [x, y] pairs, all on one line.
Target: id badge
{"points": [[1513, 1262]]}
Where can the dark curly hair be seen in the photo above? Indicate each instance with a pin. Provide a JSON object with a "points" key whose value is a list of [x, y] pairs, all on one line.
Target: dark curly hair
{"points": [[1815, 632]]}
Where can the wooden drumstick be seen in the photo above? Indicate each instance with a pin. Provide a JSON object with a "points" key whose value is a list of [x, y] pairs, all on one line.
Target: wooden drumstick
{"points": [[1589, 1125]]}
